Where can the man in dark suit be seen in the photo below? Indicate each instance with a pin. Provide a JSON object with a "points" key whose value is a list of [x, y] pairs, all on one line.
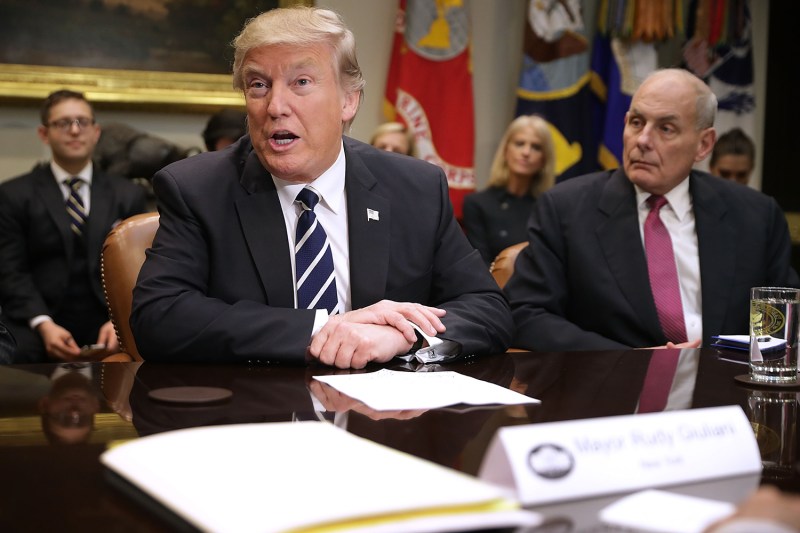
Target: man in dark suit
{"points": [[53, 222], [222, 282], [584, 281]]}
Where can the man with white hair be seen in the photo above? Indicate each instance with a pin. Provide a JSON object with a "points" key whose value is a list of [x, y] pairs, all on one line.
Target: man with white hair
{"points": [[654, 253]]}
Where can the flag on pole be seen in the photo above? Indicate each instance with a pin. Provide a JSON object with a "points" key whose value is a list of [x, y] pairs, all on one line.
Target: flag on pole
{"points": [[719, 50], [554, 82], [618, 68], [623, 54], [429, 88]]}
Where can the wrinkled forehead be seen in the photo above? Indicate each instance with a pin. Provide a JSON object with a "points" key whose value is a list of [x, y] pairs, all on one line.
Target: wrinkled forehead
{"points": [[666, 97], [289, 59]]}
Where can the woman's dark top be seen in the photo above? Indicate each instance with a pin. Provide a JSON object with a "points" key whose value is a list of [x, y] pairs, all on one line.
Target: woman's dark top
{"points": [[494, 219]]}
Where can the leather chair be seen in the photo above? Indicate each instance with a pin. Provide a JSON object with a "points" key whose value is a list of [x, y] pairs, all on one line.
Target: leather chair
{"points": [[122, 258], [503, 265]]}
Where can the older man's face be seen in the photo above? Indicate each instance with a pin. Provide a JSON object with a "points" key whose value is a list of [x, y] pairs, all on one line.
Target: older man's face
{"points": [[296, 109], [661, 142]]}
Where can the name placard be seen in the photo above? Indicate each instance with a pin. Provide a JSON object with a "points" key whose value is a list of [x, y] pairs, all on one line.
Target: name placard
{"points": [[546, 463]]}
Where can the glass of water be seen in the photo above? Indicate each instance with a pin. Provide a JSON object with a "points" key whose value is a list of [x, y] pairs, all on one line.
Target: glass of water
{"points": [[773, 334]]}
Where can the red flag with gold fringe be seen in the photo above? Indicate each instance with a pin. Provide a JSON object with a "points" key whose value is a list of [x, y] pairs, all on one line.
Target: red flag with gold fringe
{"points": [[429, 88]]}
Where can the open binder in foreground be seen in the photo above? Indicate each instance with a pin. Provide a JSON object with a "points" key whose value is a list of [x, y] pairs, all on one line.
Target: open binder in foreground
{"points": [[307, 476]]}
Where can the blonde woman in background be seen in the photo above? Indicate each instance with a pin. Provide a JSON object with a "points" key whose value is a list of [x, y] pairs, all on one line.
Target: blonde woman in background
{"points": [[522, 169], [394, 137]]}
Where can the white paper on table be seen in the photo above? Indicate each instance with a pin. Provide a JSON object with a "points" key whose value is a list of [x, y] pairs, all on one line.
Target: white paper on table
{"points": [[659, 511], [305, 476], [390, 390]]}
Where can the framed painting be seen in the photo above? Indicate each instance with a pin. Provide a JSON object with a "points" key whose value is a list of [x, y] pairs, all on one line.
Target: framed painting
{"points": [[151, 53]]}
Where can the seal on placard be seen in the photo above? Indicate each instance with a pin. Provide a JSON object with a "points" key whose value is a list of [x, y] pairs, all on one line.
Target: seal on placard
{"points": [[550, 461]]}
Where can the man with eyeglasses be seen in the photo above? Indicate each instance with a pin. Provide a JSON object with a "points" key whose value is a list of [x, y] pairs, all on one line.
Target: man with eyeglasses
{"points": [[53, 222]]}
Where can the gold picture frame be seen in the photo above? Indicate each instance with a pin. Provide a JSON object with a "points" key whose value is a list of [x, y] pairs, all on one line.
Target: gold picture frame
{"points": [[186, 91]]}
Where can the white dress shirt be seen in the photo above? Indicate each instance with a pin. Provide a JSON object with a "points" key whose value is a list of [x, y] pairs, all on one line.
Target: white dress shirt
{"points": [[678, 218]]}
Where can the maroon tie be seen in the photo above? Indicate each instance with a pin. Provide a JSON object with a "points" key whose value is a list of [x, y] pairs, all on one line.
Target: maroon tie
{"points": [[658, 381], [663, 274]]}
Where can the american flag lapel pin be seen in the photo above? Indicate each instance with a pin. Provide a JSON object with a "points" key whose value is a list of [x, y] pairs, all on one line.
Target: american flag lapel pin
{"points": [[373, 215]]}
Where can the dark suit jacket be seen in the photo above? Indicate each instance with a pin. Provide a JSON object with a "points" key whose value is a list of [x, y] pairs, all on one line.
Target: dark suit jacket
{"points": [[36, 245], [217, 283], [495, 220], [7, 345], [582, 283]]}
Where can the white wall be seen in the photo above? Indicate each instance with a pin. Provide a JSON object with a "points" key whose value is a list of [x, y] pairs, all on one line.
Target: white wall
{"points": [[497, 37]]}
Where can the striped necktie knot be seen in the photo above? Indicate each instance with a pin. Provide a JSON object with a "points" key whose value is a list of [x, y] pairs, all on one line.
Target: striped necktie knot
{"points": [[307, 199]]}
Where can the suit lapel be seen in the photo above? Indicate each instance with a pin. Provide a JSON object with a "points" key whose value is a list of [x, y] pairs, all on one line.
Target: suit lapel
{"points": [[50, 193], [369, 221], [265, 233], [716, 248], [621, 243]]}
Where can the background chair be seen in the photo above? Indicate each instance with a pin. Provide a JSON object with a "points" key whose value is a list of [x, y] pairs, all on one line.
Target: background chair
{"points": [[121, 260], [503, 265]]}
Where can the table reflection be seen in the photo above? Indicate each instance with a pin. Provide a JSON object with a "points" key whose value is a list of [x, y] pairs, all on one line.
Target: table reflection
{"points": [[45, 407], [774, 418]]}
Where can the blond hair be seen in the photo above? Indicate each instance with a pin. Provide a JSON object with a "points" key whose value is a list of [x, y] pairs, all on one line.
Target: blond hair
{"points": [[395, 127], [302, 26], [546, 177]]}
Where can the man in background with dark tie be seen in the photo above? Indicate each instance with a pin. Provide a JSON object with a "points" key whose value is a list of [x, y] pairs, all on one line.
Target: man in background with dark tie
{"points": [[53, 222], [298, 244], [654, 253]]}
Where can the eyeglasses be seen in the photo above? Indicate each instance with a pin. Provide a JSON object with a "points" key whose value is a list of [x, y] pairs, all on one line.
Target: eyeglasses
{"points": [[65, 124], [71, 418]]}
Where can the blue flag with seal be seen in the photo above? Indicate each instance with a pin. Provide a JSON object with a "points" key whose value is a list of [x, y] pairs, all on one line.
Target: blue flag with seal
{"points": [[618, 68], [554, 82]]}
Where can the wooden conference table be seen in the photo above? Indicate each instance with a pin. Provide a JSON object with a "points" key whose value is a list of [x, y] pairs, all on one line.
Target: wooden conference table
{"points": [[63, 487]]}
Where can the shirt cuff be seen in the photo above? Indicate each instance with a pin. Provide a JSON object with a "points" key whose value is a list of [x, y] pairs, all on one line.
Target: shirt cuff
{"points": [[320, 319], [433, 349], [36, 321]]}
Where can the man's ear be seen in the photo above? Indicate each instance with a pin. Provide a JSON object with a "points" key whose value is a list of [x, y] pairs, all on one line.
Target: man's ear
{"points": [[41, 131], [708, 137], [350, 106]]}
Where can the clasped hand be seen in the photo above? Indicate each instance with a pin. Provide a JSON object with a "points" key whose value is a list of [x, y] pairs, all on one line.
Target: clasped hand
{"points": [[375, 333], [60, 345]]}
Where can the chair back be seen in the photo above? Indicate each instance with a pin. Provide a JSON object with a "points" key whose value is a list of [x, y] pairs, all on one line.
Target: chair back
{"points": [[121, 260], [503, 265]]}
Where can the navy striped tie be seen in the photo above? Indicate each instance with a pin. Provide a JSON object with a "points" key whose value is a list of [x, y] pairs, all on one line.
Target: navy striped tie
{"points": [[316, 283], [75, 207]]}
